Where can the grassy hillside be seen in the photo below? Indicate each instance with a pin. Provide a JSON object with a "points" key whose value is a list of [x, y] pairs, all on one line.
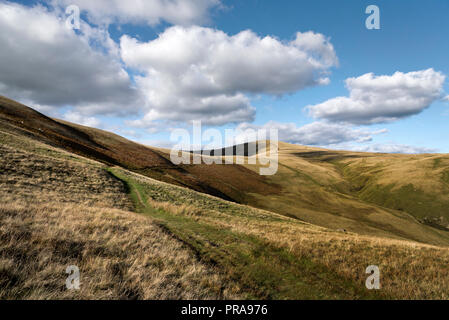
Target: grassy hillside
{"points": [[72, 196], [398, 196], [60, 209], [414, 184], [282, 258], [112, 149]]}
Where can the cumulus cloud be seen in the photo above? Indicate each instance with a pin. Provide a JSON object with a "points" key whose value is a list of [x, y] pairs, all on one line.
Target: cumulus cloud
{"points": [[196, 73], [315, 133], [44, 63], [378, 99], [150, 12], [187, 73]]}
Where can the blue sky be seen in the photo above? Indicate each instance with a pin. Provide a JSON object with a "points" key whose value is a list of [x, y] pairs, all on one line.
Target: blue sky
{"points": [[411, 38]]}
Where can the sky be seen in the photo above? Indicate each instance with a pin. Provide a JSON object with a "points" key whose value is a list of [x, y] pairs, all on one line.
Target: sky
{"points": [[310, 69]]}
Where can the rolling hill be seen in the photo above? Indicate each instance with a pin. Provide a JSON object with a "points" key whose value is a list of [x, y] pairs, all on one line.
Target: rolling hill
{"points": [[392, 195], [74, 195]]}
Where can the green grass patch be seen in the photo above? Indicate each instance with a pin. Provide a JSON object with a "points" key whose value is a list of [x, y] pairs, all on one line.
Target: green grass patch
{"points": [[407, 198], [445, 177], [436, 163]]}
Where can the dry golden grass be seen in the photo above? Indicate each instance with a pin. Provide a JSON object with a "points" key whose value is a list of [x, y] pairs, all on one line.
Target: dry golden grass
{"points": [[350, 190], [409, 270], [419, 170], [416, 184], [57, 212], [32, 178], [120, 255]]}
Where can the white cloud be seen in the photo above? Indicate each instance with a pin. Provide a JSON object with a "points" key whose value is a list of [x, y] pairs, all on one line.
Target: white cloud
{"points": [[377, 99], [316, 133], [45, 64], [150, 12], [76, 117], [158, 144], [187, 73], [389, 148], [204, 74]]}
